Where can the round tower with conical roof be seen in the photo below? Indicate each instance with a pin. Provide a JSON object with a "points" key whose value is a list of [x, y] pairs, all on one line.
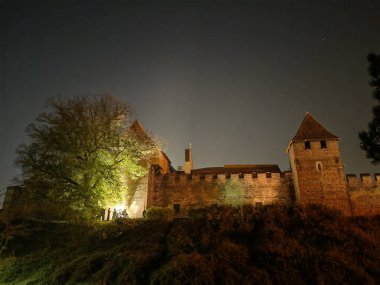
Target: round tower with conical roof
{"points": [[318, 173]]}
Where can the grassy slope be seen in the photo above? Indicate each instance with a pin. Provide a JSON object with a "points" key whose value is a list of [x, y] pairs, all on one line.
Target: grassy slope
{"points": [[221, 245]]}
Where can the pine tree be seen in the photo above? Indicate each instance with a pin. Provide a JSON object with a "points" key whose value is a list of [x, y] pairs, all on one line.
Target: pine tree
{"points": [[370, 139]]}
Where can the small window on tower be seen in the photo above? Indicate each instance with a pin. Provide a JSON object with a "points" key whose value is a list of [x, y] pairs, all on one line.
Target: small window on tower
{"points": [[307, 145], [323, 144], [319, 166]]}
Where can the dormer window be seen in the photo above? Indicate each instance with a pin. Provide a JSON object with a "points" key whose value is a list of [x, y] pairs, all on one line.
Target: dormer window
{"points": [[323, 144], [307, 145]]}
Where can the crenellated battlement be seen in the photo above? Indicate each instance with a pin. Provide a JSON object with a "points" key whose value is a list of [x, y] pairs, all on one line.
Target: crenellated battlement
{"points": [[204, 189], [364, 193], [364, 181], [182, 177], [316, 177]]}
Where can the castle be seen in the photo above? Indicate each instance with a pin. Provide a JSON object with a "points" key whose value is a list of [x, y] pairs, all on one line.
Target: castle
{"points": [[316, 176]]}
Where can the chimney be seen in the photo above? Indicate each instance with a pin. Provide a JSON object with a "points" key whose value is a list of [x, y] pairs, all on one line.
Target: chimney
{"points": [[188, 160]]}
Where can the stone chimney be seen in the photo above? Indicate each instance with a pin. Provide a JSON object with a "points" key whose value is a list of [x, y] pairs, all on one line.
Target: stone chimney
{"points": [[188, 160]]}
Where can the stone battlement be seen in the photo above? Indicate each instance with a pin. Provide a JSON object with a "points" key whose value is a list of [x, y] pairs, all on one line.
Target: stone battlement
{"points": [[182, 177], [199, 190], [364, 193], [364, 180]]}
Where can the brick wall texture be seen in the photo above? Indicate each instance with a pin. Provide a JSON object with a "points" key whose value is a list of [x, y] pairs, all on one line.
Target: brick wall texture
{"points": [[359, 196], [193, 191]]}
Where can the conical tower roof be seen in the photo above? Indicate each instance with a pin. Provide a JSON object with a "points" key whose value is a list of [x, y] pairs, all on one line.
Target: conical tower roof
{"points": [[311, 129]]}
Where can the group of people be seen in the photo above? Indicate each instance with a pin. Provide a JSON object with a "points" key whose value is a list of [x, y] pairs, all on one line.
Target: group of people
{"points": [[109, 215]]}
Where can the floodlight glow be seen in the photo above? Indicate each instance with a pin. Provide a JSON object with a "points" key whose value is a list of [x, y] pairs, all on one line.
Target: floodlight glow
{"points": [[119, 207]]}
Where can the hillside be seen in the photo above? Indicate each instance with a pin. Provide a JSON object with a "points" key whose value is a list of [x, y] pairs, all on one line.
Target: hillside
{"points": [[217, 245]]}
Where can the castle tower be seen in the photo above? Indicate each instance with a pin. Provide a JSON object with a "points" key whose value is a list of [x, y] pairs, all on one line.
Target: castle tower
{"points": [[188, 160], [317, 169]]}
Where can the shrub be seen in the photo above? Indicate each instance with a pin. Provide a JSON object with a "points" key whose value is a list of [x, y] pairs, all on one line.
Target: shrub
{"points": [[158, 213]]}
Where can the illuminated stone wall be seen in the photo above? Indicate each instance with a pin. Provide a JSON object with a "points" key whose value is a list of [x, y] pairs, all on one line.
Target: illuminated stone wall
{"points": [[364, 194], [136, 202], [318, 175], [194, 191]]}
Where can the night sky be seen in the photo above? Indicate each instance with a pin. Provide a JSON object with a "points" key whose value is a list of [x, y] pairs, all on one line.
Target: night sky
{"points": [[234, 79]]}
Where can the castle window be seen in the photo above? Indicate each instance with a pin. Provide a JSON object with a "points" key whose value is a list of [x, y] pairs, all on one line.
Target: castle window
{"points": [[307, 145], [319, 166], [177, 208], [323, 144]]}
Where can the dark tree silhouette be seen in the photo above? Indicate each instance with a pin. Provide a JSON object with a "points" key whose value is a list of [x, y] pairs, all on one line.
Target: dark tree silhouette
{"points": [[370, 139]]}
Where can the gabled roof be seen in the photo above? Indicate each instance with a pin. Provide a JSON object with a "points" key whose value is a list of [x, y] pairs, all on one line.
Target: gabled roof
{"points": [[231, 169], [311, 129], [138, 129]]}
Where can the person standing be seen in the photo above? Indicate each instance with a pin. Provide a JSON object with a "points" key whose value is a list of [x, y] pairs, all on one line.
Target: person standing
{"points": [[109, 214], [102, 214], [114, 214]]}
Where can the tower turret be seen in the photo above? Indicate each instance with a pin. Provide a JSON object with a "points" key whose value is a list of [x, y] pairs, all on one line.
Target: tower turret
{"points": [[317, 169]]}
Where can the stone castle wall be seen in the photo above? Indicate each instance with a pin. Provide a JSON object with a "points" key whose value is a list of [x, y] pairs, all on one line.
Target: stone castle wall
{"points": [[136, 202], [319, 175], [364, 193], [194, 191]]}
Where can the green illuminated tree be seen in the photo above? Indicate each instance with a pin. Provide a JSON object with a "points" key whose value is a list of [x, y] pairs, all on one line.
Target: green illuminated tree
{"points": [[81, 151], [370, 140]]}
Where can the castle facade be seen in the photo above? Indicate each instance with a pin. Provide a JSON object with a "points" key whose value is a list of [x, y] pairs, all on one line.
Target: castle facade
{"points": [[316, 176]]}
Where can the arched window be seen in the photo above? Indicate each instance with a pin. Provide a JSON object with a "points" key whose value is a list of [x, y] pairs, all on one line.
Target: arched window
{"points": [[319, 166]]}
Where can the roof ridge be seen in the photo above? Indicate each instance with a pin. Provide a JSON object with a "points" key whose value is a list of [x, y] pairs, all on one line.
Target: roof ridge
{"points": [[311, 129]]}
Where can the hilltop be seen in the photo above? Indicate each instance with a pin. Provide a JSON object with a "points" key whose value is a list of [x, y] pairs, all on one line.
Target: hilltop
{"points": [[215, 245]]}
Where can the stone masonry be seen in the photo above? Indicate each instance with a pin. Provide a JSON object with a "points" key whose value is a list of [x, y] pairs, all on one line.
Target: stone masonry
{"points": [[316, 176]]}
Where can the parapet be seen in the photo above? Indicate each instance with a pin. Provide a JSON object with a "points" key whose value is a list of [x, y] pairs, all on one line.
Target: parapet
{"points": [[223, 177], [366, 180]]}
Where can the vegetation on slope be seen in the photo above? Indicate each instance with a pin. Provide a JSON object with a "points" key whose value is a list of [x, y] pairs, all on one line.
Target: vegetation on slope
{"points": [[217, 245]]}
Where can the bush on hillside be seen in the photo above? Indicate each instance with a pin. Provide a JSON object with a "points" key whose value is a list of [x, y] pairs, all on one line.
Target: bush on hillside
{"points": [[216, 245], [158, 213]]}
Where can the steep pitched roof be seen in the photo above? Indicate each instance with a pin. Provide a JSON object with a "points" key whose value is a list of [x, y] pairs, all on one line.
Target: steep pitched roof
{"points": [[138, 129], [249, 168], [311, 129]]}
